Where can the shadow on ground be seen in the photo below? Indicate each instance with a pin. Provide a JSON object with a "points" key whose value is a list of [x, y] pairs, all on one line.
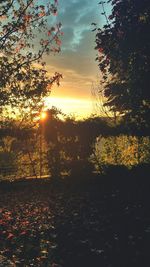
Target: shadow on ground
{"points": [[104, 222]]}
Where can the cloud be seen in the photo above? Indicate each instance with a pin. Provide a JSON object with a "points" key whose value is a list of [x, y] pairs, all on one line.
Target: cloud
{"points": [[77, 60], [81, 60], [76, 17]]}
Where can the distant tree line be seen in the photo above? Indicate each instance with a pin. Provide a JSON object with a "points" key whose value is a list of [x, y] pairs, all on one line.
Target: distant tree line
{"points": [[61, 146]]}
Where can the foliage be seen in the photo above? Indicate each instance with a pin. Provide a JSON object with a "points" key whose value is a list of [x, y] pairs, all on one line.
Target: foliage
{"points": [[123, 45], [71, 142], [25, 36], [8, 164], [62, 146], [24, 145], [121, 150]]}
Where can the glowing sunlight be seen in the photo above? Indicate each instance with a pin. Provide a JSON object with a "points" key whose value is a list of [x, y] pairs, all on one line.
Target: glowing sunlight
{"points": [[70, 106]]}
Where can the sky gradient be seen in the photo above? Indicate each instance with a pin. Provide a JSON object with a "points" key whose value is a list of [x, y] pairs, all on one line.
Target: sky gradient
{"points": [[76, 61]]}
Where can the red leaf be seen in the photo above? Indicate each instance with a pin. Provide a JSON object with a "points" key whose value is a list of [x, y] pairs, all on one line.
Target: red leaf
{"points": [[23, 233], [10, 236], [49, 33]]}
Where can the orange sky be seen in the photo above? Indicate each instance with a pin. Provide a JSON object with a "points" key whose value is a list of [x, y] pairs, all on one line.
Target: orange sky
{"points": [[73, 96], [73, 106]]}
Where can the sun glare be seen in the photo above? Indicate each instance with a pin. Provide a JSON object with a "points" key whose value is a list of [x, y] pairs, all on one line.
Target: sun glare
{"points": [[43, 115]]}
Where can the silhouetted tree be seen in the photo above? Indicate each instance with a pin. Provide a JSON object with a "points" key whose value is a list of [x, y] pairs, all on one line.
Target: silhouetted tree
{"points": [[124, 59], [71, 142]]}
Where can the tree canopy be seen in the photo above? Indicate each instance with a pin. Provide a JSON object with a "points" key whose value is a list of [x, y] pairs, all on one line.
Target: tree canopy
{"points": [[26, 34], [124, 59]]}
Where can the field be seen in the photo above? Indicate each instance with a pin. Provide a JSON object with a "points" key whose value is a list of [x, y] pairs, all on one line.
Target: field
{"points": [[44, 224]]}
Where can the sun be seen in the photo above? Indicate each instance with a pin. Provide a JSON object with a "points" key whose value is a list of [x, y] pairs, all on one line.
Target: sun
{"points": [[43, 115]]}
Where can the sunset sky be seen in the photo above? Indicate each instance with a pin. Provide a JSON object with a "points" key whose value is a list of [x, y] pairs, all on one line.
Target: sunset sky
{"points": [[76, 61]]}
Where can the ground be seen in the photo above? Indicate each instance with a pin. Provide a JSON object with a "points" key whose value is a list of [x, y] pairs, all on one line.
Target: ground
{"points": [[95, 225]]}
